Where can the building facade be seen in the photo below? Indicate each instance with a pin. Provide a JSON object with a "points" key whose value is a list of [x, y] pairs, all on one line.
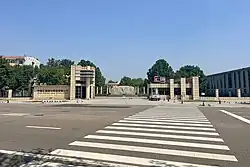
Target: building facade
{"points": [[235, 83], [186, 88], [82, 82], [55, 92], [22, 60]]}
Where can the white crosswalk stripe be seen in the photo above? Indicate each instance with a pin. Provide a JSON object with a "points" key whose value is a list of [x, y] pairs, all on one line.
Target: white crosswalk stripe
{"points": [[155, 137]]}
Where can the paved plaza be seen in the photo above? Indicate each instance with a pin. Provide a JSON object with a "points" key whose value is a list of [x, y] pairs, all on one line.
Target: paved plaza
{"points": [[129, 132]]}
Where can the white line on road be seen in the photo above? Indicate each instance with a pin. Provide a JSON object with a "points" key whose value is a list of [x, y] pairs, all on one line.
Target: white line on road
{"points": [[166, 127], [161, 135], [164, 130], [164, 123], [153, 141], [162, 120], [16, 114], [167, 118], [43, 127], [156, 150], [236, 116], [203, 117], [121, 158]]}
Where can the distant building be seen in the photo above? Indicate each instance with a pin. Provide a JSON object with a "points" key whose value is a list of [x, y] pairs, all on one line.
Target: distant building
{"points": [[22, 60], [82, 86], [185, 88], [235, 83]]}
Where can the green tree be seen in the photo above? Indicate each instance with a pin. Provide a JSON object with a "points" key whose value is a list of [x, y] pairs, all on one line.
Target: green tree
{"points": [[66, 63], [53, 62], [99, 78], [52, 76], [189, 71], [160, 68], [126, 81], [4, 73], [111, 81]]}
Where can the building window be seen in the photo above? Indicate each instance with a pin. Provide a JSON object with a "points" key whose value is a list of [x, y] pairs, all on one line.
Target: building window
{"points": [[225, 78], [244, 79], [229, 80], [235, 80], [239, 78]]}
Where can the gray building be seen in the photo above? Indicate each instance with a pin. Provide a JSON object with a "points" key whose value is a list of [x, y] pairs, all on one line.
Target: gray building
{"points": [[235, 83]]}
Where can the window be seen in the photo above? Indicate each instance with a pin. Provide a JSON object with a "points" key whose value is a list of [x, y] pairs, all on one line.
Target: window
{"points": [[229, 80], [239, 78], [235, 80], [225, 78], [244, 79]]}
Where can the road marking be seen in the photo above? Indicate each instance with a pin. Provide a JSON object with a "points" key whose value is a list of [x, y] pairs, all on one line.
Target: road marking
{"points": [[161, 135], [164, 123], [236, 116], [164, 130], [167, 127], [121, 158], [170, 117], [153, 141], [156, 150], [167, 118], [16, 114], [161, 120], [43, 127]]}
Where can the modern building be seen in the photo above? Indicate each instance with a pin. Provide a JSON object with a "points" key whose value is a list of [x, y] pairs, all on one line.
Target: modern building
{"points": [[22, 60], [185, 88], [235, 83], [82, 86]]}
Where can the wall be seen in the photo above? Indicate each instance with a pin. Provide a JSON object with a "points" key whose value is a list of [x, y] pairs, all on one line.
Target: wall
{"points": [[232, 99], [55, 92]]}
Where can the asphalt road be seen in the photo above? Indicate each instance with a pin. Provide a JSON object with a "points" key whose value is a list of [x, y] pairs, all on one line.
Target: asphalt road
{"points": [[169, 135]]}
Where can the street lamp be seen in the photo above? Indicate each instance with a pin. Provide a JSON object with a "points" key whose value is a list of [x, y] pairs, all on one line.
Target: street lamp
{"points": [[203, 98]]}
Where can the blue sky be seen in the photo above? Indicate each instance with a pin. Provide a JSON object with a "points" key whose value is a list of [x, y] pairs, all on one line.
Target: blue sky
{"points": [[125, 37]]}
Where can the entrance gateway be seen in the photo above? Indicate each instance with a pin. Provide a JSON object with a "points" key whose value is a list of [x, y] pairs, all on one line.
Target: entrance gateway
{"points": [[184, 88]]}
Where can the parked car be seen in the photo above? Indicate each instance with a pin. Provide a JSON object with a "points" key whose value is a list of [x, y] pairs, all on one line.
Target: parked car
{"points": [[154, 97]]}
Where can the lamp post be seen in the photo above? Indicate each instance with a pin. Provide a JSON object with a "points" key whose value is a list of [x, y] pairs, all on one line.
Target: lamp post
{"points": [[203, 99]]}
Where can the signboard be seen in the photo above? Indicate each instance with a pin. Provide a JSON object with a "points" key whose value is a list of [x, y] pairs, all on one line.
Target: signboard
{"points": [[158, 79]]}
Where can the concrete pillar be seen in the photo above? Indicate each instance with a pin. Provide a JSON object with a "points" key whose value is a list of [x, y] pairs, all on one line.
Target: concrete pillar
{"points": [[195, 88], [88, 88], [107, 90], [144, 90], [183, 88], [156, 91], [238, 93], [138, 90], [217, 93], [10, 93], [72, 83], [172, 89], [101, 90], [97, 90], [148, 89]]}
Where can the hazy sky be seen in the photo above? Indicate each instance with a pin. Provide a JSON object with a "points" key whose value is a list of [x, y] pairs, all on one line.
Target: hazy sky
{"points": [[125, 37]]}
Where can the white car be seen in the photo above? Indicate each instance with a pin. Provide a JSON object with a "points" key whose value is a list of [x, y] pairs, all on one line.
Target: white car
{"points": [[154, 97]]}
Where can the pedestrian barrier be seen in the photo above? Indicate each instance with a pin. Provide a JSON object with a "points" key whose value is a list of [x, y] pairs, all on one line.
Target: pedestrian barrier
{"points": [[52, 101]]}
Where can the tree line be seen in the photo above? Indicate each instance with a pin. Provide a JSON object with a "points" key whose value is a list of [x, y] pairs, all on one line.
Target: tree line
{"points": [[163, 69], [57, 72], [53, 72]]}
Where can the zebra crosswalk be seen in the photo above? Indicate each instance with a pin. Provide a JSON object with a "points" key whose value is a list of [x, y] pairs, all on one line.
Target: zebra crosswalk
{"points": [[159, 136]]}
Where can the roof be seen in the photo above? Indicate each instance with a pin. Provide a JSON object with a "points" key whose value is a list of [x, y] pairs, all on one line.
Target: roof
{"points": [[240, 69], [12, 57]]}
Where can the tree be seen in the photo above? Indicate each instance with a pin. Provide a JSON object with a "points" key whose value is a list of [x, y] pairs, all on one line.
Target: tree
{"points": [[53, 62], [111, 81], [99, 78], [136, 82], [52, 76], [160, 68], [3, 73], [66, 63], [190, 71], [126, 81]]}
